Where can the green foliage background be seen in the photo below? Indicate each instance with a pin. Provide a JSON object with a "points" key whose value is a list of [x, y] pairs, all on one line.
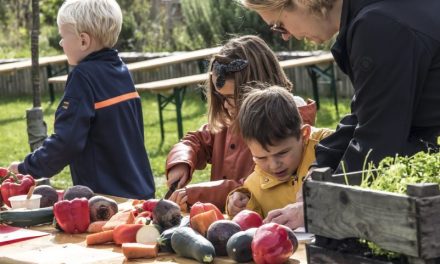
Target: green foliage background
{"points": [[149, 26]]}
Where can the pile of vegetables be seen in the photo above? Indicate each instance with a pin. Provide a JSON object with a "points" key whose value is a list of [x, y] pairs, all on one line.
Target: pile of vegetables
{"points": [[153, 226], [201, 236]]}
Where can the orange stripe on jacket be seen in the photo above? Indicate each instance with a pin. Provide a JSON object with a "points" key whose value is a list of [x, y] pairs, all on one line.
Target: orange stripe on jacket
{"points": [[116, 100]]}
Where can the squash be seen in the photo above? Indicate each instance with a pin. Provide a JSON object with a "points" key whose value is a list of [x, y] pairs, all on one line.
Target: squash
{"points": [[188, 243], [239, 245], [202, 221]]}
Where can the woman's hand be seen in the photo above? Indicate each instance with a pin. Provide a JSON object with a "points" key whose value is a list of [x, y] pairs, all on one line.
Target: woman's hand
{"points": [[179, 197], [291, 215], [237, 202], [179, 172]]}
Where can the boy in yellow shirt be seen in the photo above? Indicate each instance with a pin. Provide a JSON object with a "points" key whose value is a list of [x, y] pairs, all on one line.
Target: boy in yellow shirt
{"points": [[282, 148]]}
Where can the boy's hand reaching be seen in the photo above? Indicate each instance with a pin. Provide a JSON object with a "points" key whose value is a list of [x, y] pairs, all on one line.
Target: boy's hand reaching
{"points": [[179, 172], [237, 202], [13, 167], [291, 215]]}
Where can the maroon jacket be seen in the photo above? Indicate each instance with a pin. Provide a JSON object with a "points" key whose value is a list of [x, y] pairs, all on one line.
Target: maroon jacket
{"points": [[230, 159]]}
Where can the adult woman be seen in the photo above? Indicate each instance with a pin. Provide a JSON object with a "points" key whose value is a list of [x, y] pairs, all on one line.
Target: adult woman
{"points": [[390, 49]]}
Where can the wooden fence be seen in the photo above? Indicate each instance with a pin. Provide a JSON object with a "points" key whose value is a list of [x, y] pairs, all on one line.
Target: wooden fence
{"points": [[20, 82]]}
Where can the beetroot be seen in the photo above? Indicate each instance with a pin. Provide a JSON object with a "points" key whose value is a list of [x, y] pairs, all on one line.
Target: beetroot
{"points": [[219, 233], [102, 208], [167, 214]]}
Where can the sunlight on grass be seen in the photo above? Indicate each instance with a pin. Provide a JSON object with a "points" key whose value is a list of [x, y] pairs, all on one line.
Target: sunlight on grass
{"points": [[14, 146]]}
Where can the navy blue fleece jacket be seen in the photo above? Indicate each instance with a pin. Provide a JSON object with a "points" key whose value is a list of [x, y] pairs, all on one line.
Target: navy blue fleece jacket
{"points": [[98, 131]]}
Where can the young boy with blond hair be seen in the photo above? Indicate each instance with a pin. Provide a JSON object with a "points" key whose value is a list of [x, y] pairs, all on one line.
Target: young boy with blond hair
{"points": [[98, 128], [282, 148]]}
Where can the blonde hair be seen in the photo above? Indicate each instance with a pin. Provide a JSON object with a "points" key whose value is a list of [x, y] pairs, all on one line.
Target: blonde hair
{"points": [[263, 66], [316, 7], [102, 19]]}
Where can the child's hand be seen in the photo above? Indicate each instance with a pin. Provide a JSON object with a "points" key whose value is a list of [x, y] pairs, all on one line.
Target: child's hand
{"points": [[291, 215], [13, 167], [179, 172], [180, 198], [237, 202]]}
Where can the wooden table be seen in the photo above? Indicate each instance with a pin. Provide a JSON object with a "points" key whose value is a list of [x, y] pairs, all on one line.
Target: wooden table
{"points": [[42, 61], [178, 86], [159, 62], [59, 247]]}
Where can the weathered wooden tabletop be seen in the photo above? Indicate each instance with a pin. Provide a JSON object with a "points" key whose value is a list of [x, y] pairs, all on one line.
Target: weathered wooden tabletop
{"points": [[59, 247]]}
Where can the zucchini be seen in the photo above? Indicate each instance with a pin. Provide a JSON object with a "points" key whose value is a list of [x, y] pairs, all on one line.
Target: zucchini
{"points": [[188, 243], [239, 245], [23, 218], [164, 240]]}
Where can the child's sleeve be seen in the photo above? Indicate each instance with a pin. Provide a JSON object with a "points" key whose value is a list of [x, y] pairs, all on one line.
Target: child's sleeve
{"points": [[214, 192], [71, 128], [195, 149]]}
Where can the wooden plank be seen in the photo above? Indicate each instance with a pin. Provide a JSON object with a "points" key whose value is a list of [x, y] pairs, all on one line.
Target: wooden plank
{"points": [[58, 79], [156, 63], [165, 85], [428, 226], [43, 61], [317, 59], [341, 211], [318, 255]]}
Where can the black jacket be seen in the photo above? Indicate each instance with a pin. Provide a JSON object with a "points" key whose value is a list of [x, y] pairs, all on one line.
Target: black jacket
{"points": [[390, 49], [98, 131]]}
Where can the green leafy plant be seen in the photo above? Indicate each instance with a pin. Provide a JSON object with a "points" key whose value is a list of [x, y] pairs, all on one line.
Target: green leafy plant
{"points": [[393, 174]]}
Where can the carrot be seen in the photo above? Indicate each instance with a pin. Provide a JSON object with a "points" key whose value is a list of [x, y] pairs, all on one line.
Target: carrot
{"points": [[124, 217], [96, 226], [99, 238], [138, 250]]}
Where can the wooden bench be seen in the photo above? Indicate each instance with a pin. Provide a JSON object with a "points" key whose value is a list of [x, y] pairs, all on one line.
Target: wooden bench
{"points": [[159, 62], [179, 85], [43, 61]]}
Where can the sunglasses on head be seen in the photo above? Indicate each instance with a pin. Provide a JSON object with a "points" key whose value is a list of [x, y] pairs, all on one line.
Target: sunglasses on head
{"points": [[277, 27]]}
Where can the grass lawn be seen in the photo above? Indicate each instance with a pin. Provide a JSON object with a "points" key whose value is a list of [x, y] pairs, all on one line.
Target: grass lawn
{"points": [[14, 146]]}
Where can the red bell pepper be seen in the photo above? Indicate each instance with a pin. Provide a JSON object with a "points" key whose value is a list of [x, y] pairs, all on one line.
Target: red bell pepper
{"points": [[72, 216], [199, 207], [271, 244], [16, 185], [4, 173]]}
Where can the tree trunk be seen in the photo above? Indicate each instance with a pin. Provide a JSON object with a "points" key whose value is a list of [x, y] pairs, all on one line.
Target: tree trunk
{"points": [[35, 53], [36, 128]]}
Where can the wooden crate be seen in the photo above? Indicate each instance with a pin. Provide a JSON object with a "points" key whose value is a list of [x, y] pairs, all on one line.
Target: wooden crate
{"points": [[407, 224]]}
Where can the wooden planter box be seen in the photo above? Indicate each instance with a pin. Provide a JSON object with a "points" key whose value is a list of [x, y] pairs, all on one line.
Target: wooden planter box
{"points": [[407, 224]]}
